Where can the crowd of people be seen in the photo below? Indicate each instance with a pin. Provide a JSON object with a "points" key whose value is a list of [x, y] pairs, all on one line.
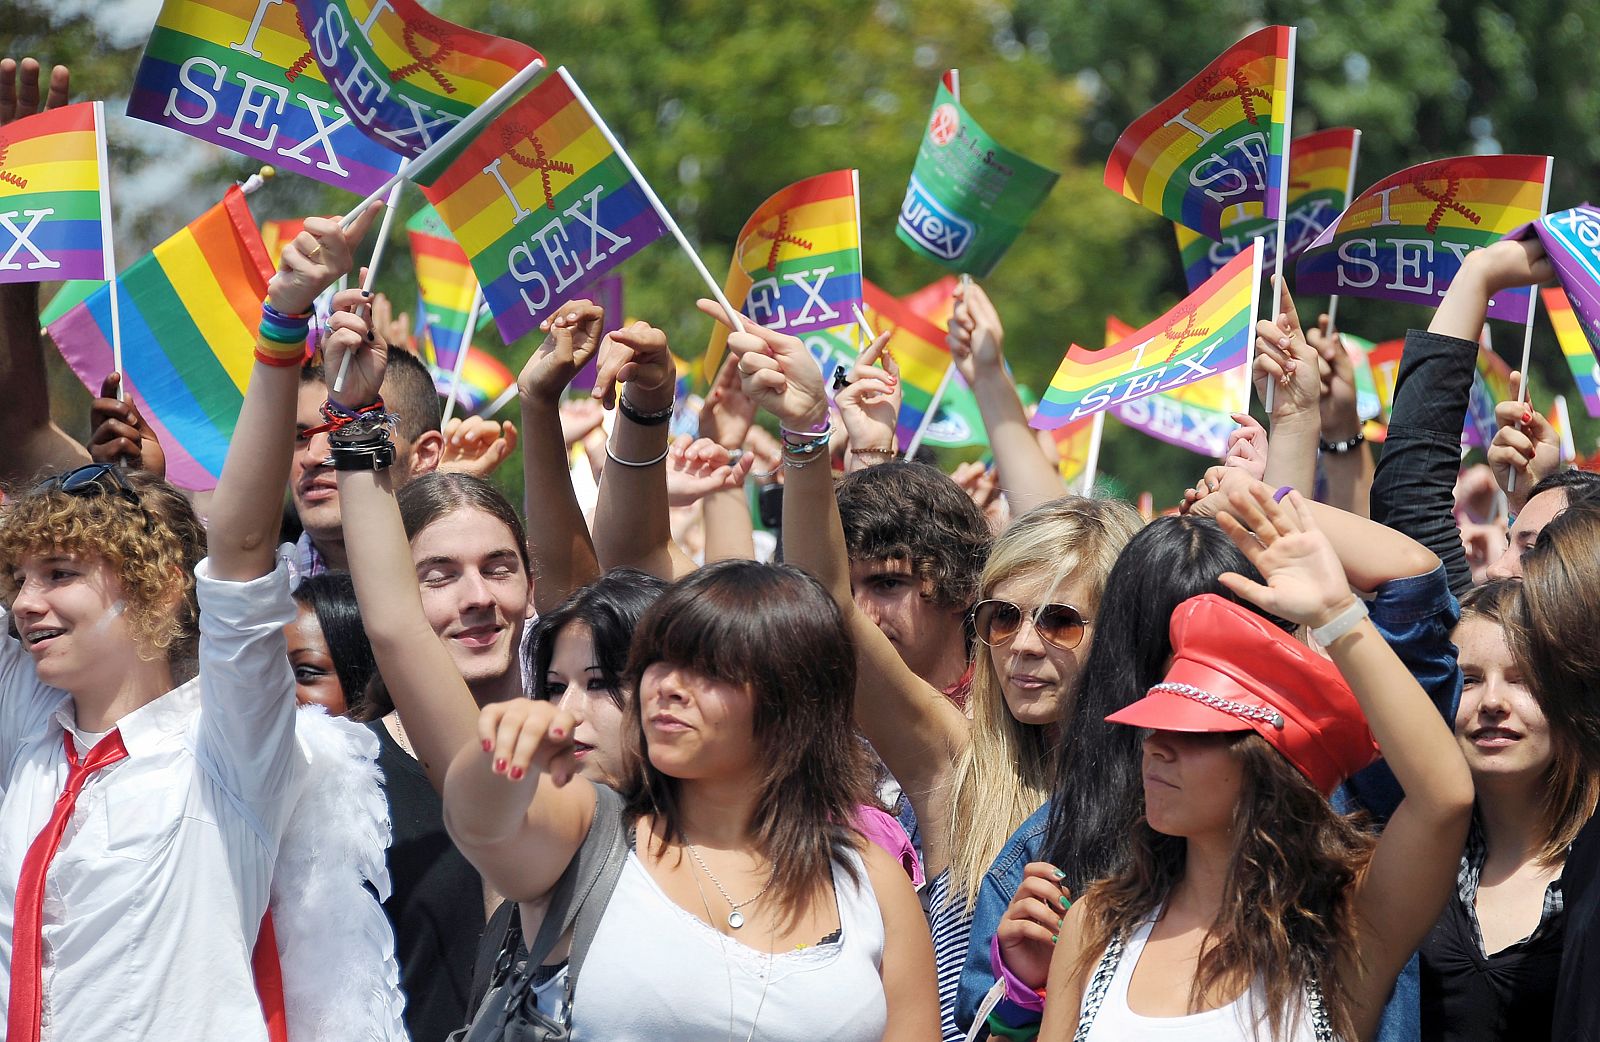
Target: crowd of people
{"points": [[925, 757]]}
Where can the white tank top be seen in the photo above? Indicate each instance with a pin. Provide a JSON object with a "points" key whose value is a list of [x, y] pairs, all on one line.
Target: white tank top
{"points": [[1235, 1022], [656, 973]]}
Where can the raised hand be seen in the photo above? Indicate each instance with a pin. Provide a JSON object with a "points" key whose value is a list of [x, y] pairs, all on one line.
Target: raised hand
{"points": [[1284, 358], [1248, 446], [1305, 581], [1210, 495], [697, 469], [1511, 263], [1340, 419], [1525, 447], [572, 336], [121, 433], [19, 89], [350, 333], [976, 337], [320, 255], [477, 446], [728, 412], [639, 357], [777, 372], [525, 735], [1032, 922], [869, 404], [395, 329]]}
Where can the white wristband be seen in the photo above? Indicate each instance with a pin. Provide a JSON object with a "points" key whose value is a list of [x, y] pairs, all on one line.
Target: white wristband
{"points": [[1340, 624]]}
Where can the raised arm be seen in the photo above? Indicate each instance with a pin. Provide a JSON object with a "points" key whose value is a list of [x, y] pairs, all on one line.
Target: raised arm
{"points": [[1028, 477], [1404, 889], [631, 523], [33, 442], [1526, 446], [1286, 362], [726, 419], [1413, 487], [247, 510], [1347, 461], [559, 546], [913, 727]]}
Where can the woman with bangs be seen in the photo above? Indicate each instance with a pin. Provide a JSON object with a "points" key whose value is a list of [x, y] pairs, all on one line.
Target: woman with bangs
{"points": [[1489, 966], [149, 763]]}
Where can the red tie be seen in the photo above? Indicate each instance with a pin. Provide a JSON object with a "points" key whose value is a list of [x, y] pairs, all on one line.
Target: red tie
{"points": [[27, 944]]}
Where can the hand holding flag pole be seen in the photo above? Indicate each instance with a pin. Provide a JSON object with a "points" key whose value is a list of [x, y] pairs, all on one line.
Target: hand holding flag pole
{"points": [[372, 267], [1533, 308]]}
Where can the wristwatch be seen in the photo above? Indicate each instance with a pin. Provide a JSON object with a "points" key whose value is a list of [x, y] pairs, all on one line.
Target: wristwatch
{"points": [[1340, 624]]}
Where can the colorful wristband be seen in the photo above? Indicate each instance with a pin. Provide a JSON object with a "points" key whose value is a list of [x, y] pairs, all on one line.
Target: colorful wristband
{"points": [[1017, 993]]}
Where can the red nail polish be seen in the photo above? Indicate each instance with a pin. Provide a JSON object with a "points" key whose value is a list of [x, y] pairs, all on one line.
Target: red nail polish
{"points": [[1527, 417], [487, 745], [556, 732], [517, 773], [499, 767]]}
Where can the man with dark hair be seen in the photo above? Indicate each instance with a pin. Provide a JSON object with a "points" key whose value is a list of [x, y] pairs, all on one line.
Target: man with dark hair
{"points": [[408, 392], [917, 544], [1546, 500]]}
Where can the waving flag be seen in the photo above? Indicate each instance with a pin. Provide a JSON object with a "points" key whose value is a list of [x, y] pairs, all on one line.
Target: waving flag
{"points": [[1321, 168], [189, 313], [1574, 347], [542, 204], [918, 345], [444, 282], [1197, 416], [1572, 239], [483, 377], [796, 264], [1210, 332], [55, 204], [239, 74], [1405, 237], [403, 74], [969, 196], [1491, 384], [1212, 154]]}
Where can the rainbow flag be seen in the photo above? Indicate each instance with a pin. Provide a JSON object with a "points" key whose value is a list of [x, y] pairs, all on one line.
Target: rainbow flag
{"points": [[797, 261], [404, 74], [1404, 238], [483, 377], [1073, 442], [189, 313], [1491, 384], [239, 74], [1213, 153], [918, 345], [1574, 347], [1322, 167], [275, 235], [445, 283], [1209, 332], [55, 200], [545, 159], [1197, 416]]}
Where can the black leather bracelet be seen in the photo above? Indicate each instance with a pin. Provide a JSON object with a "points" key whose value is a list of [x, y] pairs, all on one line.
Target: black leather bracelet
{"points": [[362, 444], [1339, 448], [643, 419]]}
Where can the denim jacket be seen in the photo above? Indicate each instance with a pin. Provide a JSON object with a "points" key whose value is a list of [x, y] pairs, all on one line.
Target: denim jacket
{"points": [[1416, 616]]}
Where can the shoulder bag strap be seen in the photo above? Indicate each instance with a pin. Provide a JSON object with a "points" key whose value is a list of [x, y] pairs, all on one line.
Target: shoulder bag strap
{"points": [[582, 876], [1321, 1025], [1099, 984]]}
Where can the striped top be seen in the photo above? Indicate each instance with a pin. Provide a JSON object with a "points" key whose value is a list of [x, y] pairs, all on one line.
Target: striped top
{"points": [[951, 925]]}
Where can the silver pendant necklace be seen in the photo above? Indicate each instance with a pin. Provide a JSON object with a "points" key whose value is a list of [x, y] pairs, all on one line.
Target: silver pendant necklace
{"points": [[735, 917]]}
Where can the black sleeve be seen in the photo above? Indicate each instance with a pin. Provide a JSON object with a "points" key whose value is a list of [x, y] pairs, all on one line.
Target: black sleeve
{"points": [[1413, 490]]}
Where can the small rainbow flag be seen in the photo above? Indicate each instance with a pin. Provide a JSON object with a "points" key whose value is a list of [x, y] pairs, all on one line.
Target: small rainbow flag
{"points": [[542, 204], [797, 261], [1197, 416], [445, 282], [239, 74], [1562, 422], [483, 377], [55, 202], [275, 235], [1213, 153], [1404, 238], [1209, 332], [918, 345], [189, 313], [404, 74], [1491, 384], [1073, 442], [1321, 169], [1574, 347]]}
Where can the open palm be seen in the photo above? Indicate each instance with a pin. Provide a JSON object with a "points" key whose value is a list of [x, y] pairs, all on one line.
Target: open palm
{"points": [[1305, 582]]}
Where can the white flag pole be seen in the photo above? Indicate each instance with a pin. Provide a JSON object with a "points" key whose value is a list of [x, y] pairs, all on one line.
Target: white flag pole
{"points": [[468, 125], [109, 258], [461, 352], [372, 270], [500, 402], [655, 201], [1091, 463], [1349, 194], [1533, 307], [955, 85], [933, 409], [1283, 198]]}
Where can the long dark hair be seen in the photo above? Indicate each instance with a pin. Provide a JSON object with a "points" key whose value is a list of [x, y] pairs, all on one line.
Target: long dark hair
{"points": [[1098, 794], [1286, 914], [775, 631], [611, 608], [332, 597]]}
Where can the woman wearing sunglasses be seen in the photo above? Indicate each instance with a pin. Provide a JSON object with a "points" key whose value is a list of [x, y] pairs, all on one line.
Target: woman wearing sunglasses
{"points": [[970, 781], [148, 756]]}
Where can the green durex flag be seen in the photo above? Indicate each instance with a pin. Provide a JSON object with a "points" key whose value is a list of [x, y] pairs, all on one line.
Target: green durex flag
{"points": [[957, 424], [969, 196]]}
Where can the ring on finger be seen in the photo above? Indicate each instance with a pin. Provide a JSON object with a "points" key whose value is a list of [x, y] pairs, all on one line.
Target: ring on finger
{"points": [[314, 252]]}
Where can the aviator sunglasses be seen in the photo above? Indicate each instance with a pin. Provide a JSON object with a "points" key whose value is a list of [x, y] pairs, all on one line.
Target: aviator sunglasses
{"points": [[91, 480], [1060, 625]]}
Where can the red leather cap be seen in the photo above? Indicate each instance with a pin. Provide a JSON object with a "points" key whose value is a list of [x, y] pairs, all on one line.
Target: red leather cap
{"points": [[1232, 670]]}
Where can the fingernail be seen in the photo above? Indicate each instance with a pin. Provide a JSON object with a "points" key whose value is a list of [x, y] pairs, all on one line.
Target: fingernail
{"points": [[499, 767], [1054, 938], [557, 732], [487, 745], [1064, 902], [517, 773], [366, 293], [370, 335], [1059, 924], [1527, 417]]}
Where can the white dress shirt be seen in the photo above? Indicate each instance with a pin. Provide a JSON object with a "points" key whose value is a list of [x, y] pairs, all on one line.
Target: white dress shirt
{"points": [[153, 902]]}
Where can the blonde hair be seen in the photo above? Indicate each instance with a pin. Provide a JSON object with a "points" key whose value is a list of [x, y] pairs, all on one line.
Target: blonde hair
{"points": [[1005, 771], [152, 546]]}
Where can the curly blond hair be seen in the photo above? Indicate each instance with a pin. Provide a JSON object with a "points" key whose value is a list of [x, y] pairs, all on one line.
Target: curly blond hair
{"points": [[152, 546]]}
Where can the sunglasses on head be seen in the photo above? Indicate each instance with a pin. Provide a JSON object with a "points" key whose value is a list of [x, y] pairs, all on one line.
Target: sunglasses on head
{"points": [[92, 480], [1060, 625]]}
